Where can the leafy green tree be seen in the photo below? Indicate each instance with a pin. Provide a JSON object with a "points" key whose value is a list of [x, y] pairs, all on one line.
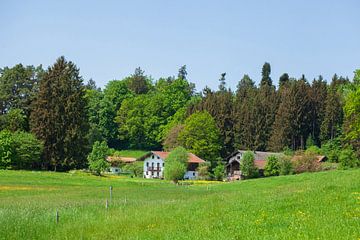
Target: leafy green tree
{"points": [[272, 167], [219, 171], [27, 151], [6, 149], [97, 157], [331, 149], [14, 120], [201, 136], [135, 168], [352, 113], [59, 116], [204, 171], [172, 139], [114, 94], [348, 158], [176, 164], [247, 165]]}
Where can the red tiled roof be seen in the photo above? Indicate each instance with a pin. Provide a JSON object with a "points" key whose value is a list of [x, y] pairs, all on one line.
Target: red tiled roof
{"points": [[192, 157]]}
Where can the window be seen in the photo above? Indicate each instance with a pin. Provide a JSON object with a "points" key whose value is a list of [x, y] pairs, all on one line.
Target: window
{"points": [[152, 156], [163, 164], [147, 173], [147, 164], [158, 166], [238, 157], [158, 157]]}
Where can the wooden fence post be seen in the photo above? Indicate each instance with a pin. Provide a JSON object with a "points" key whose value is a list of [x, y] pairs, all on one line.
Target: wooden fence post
{"points": [[57, 216], [107, 204], [111, 192]]}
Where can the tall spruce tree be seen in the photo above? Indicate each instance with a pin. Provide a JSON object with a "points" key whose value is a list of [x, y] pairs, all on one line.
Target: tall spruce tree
{"points": [[59, 116]]}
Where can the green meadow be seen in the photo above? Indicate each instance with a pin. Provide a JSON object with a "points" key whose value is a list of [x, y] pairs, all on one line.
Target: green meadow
{"points": [[324, 205]]}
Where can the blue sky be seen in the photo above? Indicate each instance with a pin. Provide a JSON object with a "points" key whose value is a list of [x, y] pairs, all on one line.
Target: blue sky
{"points": [[109, 39]]}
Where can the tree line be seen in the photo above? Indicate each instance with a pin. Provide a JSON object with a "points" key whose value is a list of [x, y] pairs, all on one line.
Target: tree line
{"points": [[62, 117]]}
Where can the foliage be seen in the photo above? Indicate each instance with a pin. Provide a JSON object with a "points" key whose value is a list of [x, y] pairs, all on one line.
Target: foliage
{"points": [[14, 120], [176, 164], [352, 113], [348, 158], [306, 163], [247, 165], [272, 167], [201, 136], [6, 149], [27, 151], [172, 138], [138, 83], [97, 157], [331, 149], [135, 168], [314, 150], [219, 171], [203, 171], [59, 116], [285, 165]]}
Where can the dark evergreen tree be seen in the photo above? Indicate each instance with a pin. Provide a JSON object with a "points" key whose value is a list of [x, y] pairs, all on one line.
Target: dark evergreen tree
{"points": [[284, 79], [138, 82], [265, 73], [182, 72], [59, 116], [222, 86]]}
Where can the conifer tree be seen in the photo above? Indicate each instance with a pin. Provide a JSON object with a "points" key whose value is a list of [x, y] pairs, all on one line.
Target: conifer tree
{"points": [[59, 116]]}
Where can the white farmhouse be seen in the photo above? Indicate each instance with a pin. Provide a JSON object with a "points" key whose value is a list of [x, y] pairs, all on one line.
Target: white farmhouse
{"points": [[155, 161]]}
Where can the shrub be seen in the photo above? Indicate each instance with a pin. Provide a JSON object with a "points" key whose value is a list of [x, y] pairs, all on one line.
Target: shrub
{"points": [[203, 171], [27, 151], [288, 151], [272, 167], [332, 149], [6, 149], [313, 150], [285, 165], [219, 172], [135, 168], [97, 157], [348, 158], [306, 163], [176, 164], [247, 165]]}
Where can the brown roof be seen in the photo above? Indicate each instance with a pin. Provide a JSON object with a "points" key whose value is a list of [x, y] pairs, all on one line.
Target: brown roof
{"points": [[318, 158], [192, 157], [260, 164], [120, 159]]}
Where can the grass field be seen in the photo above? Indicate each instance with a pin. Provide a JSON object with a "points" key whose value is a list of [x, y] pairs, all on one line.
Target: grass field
{"points": [[323, 205], [130, 153]]}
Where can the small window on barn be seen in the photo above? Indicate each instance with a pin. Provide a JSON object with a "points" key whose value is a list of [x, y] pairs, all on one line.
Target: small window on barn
{"points": [[163, 164], [238, 157], [193, 173], [147, 173]]}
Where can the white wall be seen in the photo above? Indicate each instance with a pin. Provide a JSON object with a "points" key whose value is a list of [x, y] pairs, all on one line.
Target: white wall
{"points": [[192, 175], [154, 161]]}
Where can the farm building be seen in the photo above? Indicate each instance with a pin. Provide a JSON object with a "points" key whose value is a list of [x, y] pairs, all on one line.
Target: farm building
{"points": [[232, 165], [154, 165], [117, 162]]}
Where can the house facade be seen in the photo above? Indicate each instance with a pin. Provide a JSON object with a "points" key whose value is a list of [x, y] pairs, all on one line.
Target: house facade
{"points": [[155, 163], [232, 165], [116, 162]]}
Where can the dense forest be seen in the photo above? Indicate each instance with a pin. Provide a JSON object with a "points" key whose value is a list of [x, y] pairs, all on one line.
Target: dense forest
{"points": [[50, 118]]}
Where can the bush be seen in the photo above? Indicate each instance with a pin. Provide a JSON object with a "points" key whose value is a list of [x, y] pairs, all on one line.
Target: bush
{"points": [[219, 172], [6, 149], [272, 167], [28, 150], [97, 158], [285, 165], [247, 165], [331, 149], [348, 158], [135, 168], [313, 150], [176, 164], [203, 171], [306, 163]]}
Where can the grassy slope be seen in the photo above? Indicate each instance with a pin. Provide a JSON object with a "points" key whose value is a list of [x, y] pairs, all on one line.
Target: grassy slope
{"points": [[130, 153], [322, 205]]}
